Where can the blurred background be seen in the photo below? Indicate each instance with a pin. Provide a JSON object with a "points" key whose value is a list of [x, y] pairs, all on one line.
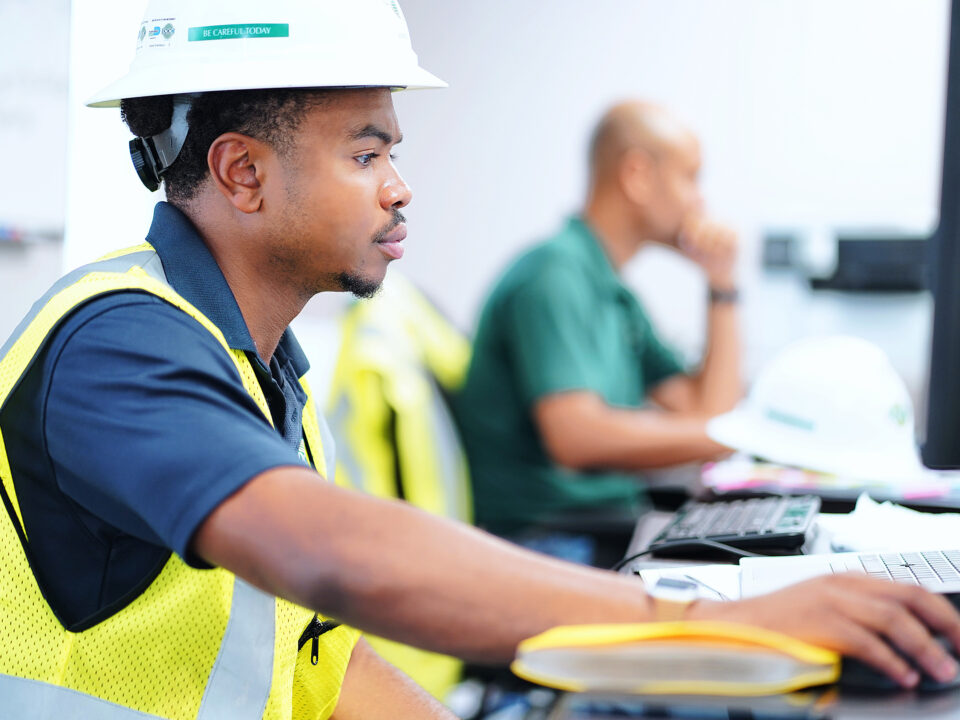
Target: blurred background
{"points": [[820, 122]]}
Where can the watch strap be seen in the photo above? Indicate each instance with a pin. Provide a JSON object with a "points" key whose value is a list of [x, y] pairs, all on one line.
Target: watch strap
{"points": [[670, 610], [725, 296]]}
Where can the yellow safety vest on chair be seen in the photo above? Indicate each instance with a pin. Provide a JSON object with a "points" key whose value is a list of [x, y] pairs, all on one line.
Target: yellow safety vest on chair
{"points": [[395, 436], [195, 643]]}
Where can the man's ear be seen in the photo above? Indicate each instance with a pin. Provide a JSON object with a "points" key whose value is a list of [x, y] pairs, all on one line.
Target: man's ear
{"points": [[236, 163], [637, 173]]}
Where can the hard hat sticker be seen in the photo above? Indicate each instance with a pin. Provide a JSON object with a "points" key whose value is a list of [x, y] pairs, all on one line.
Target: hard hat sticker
{"points": [[156, 32], [789, 419], [236, 32]]}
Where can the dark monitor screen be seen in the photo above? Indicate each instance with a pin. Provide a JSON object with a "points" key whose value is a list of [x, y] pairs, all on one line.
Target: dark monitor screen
{"points": [[941, 447]]}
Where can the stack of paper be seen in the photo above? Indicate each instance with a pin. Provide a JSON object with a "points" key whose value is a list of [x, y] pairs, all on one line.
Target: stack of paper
{"points": [[888, 526]]}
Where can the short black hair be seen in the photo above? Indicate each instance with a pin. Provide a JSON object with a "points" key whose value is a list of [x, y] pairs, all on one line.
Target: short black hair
{"points": [[271, 116]]}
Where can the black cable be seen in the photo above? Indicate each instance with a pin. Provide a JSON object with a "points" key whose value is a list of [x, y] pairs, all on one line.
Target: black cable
{"points": [[698, 544]]}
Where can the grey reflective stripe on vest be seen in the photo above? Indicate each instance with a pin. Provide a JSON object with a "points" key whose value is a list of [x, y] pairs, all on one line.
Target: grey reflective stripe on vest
{"points": [[237, 689], [33, 700], [239, 683], [329, 449], [348, 458], [449, 451], [147, 259]]}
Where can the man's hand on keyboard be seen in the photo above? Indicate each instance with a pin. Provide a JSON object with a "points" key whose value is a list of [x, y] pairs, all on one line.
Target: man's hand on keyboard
{"points": [[857, 616]]}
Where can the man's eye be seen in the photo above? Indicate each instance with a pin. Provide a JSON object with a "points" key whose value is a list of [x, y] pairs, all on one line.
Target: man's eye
{"points": [[366, 158]]}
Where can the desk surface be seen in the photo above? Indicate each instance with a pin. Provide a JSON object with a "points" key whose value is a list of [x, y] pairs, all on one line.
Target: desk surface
{"points": [[813, 704]]}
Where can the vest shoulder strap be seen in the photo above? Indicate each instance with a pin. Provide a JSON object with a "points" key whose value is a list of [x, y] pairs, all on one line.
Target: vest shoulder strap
{"points": [[135, 268]]}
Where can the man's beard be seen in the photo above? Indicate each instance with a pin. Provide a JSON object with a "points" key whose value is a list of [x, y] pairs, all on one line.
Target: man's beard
{"points": [[361, 287]]}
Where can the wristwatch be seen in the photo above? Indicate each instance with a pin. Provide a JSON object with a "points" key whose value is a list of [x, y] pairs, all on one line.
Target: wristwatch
{"points": [[726, 296], [672, 597]]}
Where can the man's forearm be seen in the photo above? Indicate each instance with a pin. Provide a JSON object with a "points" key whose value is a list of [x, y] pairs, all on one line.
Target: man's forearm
{"points": [[389, 568], [713, 247], [719, 384], [393, 570], [469, 594], [581, 431]]}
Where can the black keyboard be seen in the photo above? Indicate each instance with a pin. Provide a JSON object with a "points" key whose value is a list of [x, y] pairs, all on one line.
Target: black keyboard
{"points": [[771, 525]]}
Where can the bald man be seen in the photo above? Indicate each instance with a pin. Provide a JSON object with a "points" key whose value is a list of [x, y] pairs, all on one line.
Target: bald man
{"points": [[571, 395]]}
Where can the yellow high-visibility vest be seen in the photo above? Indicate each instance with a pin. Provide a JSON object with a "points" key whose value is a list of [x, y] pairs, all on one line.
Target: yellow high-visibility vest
{"points": [[195, 643], [395, 436]]}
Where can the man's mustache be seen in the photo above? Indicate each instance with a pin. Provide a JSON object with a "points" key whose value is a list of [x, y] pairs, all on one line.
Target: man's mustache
{"points": [[397, 219]]}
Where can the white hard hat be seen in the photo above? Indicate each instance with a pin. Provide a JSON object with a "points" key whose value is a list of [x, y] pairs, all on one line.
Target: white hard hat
{"points": [[193, 46], [831, 404]]}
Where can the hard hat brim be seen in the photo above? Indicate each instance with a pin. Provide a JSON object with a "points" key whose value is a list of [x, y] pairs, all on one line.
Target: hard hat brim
{"points": [[216, 77], [741, 429]]}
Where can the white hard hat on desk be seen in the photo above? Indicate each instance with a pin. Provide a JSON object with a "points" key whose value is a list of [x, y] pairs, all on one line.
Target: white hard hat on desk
{"points": [[192, 46], [831, 404]]}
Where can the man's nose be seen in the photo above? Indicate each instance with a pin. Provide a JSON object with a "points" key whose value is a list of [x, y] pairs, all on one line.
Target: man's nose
{"points": [[395, 194]]}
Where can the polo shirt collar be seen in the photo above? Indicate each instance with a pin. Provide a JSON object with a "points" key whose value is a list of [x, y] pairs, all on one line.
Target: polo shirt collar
{"points": [[192, 271], [594, 254]]}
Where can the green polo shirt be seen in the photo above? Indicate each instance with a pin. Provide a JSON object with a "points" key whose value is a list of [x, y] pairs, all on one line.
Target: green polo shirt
{"points": [[559, 319]]}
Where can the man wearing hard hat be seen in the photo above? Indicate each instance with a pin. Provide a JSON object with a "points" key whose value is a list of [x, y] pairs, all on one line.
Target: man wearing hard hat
{"points": [[170, 546]]}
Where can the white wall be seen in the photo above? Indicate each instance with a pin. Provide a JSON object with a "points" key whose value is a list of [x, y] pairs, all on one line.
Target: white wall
{"points": [[33, 145], [812, 113], [26, 271], [33, 122], [107, 207]]}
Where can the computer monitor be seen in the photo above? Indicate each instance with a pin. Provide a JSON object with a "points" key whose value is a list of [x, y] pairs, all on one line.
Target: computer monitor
{"points": [[941, 446]]}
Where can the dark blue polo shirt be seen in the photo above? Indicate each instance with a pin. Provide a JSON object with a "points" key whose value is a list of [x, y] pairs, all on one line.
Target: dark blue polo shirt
{"points": [[133, 425]]}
